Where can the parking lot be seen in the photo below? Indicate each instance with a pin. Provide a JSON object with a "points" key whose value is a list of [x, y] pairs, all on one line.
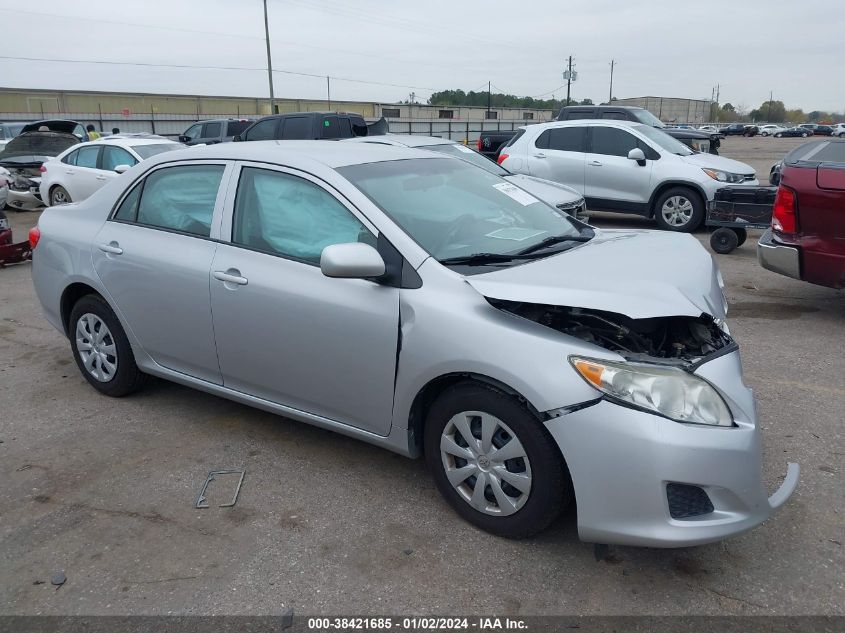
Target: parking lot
{"points": [[104, 490]]}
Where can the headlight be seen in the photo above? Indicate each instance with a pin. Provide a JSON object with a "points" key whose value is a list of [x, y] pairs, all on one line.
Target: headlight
{"points": [[668, 391], [723, 176]]}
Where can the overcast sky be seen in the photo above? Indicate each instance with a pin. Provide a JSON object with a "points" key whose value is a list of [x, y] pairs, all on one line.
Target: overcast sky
{"points": [[676, 48]]}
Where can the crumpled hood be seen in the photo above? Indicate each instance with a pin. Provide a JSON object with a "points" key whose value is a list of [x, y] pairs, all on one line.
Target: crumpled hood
{"points": [[719, 162], [641, 274], [549, 192]]}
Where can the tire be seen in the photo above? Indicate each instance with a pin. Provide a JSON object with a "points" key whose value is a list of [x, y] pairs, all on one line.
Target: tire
{"points": [[723, 240], [804, 135], [58, 196], [679, 209], [764, 133], [741, 236], [520, 514], [842, 135], [112, 371], [778, 135]]}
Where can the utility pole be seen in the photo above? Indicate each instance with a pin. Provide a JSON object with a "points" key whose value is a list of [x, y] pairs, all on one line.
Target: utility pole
{"points": [[610, 96], [568, 79], [769, 109], [329, 91], [489, 100], [269, 60]]}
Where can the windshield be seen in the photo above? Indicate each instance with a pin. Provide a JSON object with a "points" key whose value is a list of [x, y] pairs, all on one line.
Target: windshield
{"points": [[145, 151], [469, 155], [663, 140], [644, 116], [453, 209], [37, 144]]}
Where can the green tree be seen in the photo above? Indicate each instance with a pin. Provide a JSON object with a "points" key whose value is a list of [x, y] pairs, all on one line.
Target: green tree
{"points": [[728, 107]]}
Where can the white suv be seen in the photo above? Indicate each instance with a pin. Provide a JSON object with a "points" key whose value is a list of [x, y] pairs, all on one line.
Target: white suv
{"points": [[838, 130], [625, 167]]}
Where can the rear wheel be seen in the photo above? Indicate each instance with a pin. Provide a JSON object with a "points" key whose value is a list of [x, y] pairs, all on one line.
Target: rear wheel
{"points": [[723, 240], [101, 349], [778, 135], [59, 195], [741, 236], [679, 209], [494, 462], [804, 135]]}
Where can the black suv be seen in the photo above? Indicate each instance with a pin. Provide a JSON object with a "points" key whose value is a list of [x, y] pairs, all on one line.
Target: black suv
{"points": [[699, 141], [213, 131], [740, 129], [311, 126]]}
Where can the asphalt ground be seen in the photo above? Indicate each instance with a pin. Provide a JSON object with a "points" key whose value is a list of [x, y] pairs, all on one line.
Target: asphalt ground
{"points": [[104, 491]]}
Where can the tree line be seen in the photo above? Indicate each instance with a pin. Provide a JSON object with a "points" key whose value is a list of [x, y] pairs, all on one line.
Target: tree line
{"points": [[498, 100]]}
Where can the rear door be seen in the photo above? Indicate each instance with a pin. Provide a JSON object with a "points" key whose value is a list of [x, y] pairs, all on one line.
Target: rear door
{"points": [[612, 180], [84, 177], [558, 154], [154, 259]]}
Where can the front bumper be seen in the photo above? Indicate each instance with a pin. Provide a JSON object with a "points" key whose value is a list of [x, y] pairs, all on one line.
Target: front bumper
{"points": [[28, 199], [621, 461], [777, 257]]}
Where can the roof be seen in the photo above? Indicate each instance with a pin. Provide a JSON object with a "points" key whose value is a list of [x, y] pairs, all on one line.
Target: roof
{"points": [[330, 153], [130, 141], [403, 140]]}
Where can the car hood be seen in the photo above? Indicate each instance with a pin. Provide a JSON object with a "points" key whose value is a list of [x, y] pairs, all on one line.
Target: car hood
{"points": [[718, 162], [36, 147], [549, 192], [641, 274]]}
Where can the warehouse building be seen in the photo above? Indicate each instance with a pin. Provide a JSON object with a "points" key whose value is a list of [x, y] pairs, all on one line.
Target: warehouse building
{"points": [[672, 110]]}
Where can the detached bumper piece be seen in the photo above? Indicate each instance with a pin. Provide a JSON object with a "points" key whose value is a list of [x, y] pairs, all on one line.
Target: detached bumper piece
{"points": [[777, 257]]}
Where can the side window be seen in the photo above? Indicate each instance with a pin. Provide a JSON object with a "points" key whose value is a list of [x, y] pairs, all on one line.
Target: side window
{"points": [[128, 210], [618, 116], [263, 130], [542, 141], [580, 114], [290, 216], [181, 198], [193, 132], [212, 130], [114, 156], [331, 129], [70, 159], [297, 127], [87, 157], [568, 139], [345, 128], [612, 141]]}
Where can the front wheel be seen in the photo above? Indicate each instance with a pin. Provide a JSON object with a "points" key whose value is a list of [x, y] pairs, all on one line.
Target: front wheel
{"points": [[101, 349], [679, 209], [804, 135], [724, 240], [778, 135], [494, 462]]}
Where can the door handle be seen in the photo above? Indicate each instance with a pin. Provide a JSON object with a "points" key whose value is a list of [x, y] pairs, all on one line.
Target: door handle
{"points": [[539, 155], [69, 172], [595, 163], [112, 248], [230, 276], [101, 177]]}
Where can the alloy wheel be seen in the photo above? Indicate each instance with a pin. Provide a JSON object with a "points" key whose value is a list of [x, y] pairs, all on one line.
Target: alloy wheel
{"points": [[59, 196], [96, 347], [677, 211], [486, 463]]}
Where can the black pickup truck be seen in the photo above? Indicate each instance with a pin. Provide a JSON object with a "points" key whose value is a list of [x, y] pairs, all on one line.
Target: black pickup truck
{"points": [[490, 143], [311, 126], [695, 139]]}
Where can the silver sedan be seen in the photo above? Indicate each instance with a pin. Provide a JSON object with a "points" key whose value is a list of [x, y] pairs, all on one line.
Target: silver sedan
{"points": [[435, 309]]}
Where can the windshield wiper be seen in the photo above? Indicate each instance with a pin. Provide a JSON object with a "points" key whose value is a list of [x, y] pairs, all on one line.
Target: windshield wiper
{"points": [[551, 241], [478, 259]]}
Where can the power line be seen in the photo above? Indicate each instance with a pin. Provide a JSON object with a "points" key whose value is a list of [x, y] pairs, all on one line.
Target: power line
{"points": [[192, 66]]}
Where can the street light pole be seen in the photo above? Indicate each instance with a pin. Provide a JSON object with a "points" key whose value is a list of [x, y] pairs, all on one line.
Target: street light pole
{"points": [[610, 96], [269, 60]]}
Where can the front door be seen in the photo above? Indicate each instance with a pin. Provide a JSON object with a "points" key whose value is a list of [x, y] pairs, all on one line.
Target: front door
{"points": [[612, 180], [154, 258], [287, 333]]}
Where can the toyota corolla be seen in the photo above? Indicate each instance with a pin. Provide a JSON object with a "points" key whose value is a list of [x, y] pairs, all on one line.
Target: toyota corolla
{"points": [[430, 307]]}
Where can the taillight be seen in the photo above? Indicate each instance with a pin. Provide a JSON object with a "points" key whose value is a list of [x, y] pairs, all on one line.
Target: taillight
{"points": [[501, 159], [785, 211], [479, 145], [34, 236], [42, 169]]}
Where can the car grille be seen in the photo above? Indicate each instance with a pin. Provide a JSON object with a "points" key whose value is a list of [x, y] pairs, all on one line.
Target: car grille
{"points": [[687, 501]]}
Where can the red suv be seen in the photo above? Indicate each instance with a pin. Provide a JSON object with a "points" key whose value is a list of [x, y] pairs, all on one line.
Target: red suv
{"points": [[807, 237]]}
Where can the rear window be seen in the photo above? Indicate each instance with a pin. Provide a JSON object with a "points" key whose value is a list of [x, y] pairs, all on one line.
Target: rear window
{"points": [[816, 152], [236, 127], [515, 137]]}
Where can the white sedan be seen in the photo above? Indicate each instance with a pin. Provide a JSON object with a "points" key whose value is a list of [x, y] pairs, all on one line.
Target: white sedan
{"points": [[81, 170]]}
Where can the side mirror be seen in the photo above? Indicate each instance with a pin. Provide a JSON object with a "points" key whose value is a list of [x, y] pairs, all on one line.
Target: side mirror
{"points": [[774, 176], [638, 155], [121, 169], [184, 138], [236, 138], [355, 260]]}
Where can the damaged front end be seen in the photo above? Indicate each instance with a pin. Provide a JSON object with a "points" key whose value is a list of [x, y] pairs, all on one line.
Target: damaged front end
{"points": [[676, 340]]}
